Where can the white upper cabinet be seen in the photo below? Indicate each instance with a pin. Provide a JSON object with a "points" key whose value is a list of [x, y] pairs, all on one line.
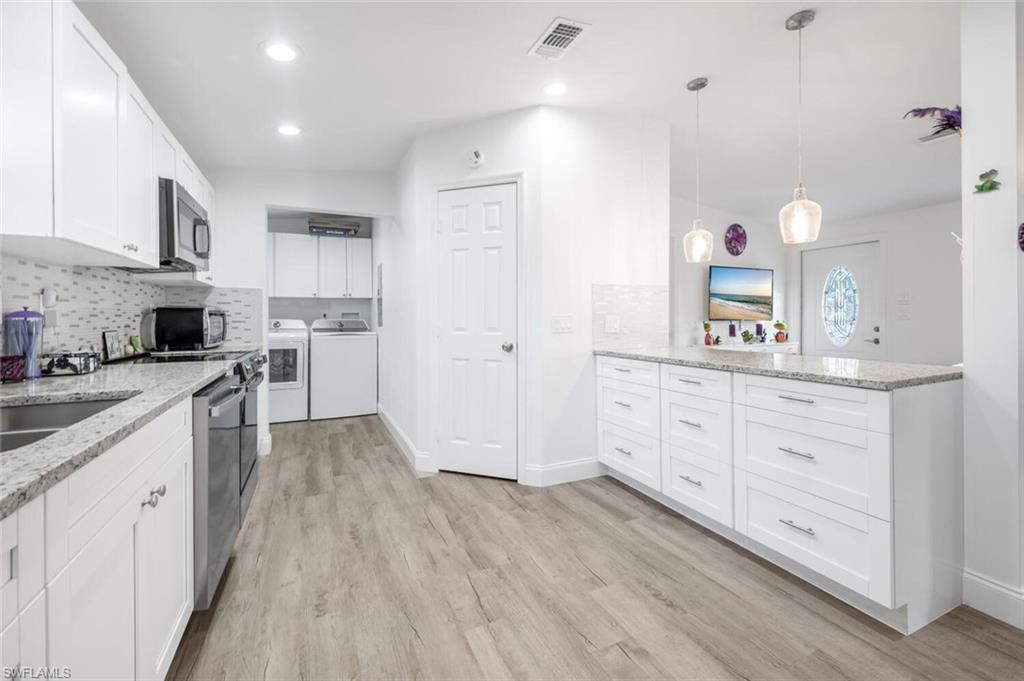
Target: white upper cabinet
{"points": [[137, 187], [90, 84], [360, 268], [332, 267], [166, 152], [295, 266], [303, 266]]}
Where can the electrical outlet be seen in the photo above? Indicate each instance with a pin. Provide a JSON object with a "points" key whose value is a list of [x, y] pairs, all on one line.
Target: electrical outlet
{"points": [[561, 323], [611, 323]]}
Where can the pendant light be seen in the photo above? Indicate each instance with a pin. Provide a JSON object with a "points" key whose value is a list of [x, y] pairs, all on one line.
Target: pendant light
{"points": [[800, 219], [698, 242]]}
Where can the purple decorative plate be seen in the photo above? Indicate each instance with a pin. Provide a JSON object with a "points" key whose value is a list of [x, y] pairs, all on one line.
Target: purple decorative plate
{"points": [[735, 239]]}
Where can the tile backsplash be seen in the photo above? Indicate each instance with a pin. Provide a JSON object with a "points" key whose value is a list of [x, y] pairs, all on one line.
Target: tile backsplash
{"points": [[641, 312], [92, 300]]}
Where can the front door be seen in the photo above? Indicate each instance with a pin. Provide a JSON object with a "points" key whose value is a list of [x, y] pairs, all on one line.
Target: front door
{"points": [[477, 304], [843, 301]]}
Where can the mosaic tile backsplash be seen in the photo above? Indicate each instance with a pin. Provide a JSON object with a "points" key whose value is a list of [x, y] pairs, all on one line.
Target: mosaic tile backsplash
{"points": [[642, 312], [97, 299]]}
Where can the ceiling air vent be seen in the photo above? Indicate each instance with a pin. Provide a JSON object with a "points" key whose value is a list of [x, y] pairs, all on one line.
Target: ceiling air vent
{"points": [[558, 38]]}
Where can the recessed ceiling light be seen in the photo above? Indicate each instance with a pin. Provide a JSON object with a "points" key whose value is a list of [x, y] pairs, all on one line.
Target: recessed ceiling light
{"points": [[555, 89], [289, 130], [280, 51]]}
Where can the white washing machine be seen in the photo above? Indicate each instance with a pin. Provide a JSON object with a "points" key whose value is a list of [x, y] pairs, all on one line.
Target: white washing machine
{"points": [[343, 369], [288, 369]]}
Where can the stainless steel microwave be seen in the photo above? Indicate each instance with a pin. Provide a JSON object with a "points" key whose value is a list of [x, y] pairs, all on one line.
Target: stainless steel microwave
{"points": [[183, 327], [184, 230]]}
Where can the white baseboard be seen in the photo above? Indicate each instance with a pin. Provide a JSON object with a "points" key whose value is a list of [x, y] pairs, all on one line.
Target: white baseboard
{"points": [[266, 443], [420, 461], [994, 598], [560, 473]]}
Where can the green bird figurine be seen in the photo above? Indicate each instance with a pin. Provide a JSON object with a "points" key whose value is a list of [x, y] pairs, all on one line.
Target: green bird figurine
{"points": [[989, 183]]}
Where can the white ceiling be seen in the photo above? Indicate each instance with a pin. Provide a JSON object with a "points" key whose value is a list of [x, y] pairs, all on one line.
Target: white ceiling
{"points": [[374, 75]]}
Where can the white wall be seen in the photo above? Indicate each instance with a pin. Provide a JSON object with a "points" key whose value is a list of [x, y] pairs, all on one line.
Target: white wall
{"points": [[922, 262], [992, 90], [594, 209], [240, 227], [690, 281]]}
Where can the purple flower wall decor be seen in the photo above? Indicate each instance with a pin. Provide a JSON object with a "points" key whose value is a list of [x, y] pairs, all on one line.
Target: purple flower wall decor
{"points": [[947, 121], [735, 239]]}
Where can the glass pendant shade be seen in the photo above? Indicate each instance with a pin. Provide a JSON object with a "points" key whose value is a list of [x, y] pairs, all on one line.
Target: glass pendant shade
{"points": [[800, 219], [698, 243]]}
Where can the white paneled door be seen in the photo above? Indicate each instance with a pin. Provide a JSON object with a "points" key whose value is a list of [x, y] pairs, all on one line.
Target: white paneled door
{"points": [[477, 304], [843, 300]]}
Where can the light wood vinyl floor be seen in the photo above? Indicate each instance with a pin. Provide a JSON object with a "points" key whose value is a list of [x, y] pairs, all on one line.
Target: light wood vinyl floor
{"points": [[349, 567]]}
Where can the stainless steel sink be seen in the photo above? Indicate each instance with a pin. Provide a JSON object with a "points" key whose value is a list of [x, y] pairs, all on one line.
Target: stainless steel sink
{"points": [[25, 424]]}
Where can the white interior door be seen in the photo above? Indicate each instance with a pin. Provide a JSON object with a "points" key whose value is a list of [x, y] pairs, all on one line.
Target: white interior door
{"points": [[843, 301], [477, 305]]}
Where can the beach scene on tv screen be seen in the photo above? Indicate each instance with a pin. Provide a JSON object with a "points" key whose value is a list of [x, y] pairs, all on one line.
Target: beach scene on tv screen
{"points": [[740, 294]]}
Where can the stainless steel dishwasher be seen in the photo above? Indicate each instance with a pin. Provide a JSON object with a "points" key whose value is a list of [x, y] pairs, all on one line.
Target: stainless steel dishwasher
{"points": [[217, 429]]}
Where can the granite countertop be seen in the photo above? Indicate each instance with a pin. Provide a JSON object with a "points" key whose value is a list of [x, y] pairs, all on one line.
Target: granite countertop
{"points": [[858, 373], [148, 390]]}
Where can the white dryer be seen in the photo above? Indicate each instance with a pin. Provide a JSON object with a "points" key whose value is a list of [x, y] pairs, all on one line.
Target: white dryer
{"points": [[288, 369], [343, 369]]}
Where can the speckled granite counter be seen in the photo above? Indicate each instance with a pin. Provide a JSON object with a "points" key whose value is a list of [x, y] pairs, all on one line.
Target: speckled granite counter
{"points": [[148, 390], [858, 373]]}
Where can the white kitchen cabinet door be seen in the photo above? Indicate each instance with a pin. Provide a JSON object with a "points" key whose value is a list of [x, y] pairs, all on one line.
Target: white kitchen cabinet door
{"points": [[360, 268], [138, 220], [332, 266], [295, 266], [91, 604], [90, 83], [164, 565], [167, 150], [186, 173]]}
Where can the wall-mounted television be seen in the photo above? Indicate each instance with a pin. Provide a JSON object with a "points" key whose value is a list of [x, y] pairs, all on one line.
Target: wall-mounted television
{"points": [[740, 293]]}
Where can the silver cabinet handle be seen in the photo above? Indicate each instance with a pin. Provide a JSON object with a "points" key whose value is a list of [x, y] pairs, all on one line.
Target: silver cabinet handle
{"points": [[625, 405], [161, 490], [690, 381], [803, 455], [790, 523], [692, 424], [507, 347], [873, 340], [625, 371], [152, 501], [624, 451], [695, 483], [801, 400]]}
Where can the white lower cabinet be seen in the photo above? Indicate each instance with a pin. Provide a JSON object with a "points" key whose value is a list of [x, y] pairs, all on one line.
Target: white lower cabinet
{"points": [[856, 490], [119, 560]]}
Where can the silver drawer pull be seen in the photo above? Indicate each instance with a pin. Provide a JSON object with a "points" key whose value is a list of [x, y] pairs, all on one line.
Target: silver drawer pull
{"points": [[803, 455], [624, 451], [690, 381], [790, 523], [692, 424], [152, 501], [696, 483], [624, 405], [625, 371], [161, 490], [801, 400]]}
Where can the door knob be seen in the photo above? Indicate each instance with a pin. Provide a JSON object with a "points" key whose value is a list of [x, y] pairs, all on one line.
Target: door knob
{"points": [[507, 347]]}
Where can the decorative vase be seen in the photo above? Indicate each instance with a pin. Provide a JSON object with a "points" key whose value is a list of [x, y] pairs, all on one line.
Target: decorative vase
{"points": [[708, 340]]}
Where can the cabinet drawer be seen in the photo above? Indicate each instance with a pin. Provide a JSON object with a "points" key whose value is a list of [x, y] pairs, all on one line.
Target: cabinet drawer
{"points": [[628, 405], [22, 565], [631, 454], [697, 425], [846, 546], [716, 385], [842, 405], [849, 466], [703, 484], [634, 371]]}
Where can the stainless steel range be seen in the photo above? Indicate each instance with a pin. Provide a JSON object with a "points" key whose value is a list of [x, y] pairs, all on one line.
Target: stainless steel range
{"points": [[225, 465]]}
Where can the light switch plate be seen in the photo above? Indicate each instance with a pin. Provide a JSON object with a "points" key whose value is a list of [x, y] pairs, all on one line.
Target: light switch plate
{"points": [[561, 323], [611, 323], [51, 319]]}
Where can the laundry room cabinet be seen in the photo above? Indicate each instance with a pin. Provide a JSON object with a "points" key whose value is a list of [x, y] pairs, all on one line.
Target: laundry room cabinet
{"points": [[320, 267]]}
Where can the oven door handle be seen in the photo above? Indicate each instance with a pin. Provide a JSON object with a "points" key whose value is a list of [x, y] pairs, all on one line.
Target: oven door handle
{"points": [[237, 394], [255, 381]]}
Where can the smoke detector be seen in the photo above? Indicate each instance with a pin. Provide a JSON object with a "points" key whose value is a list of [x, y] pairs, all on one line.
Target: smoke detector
{"points": [[557, 38]]}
